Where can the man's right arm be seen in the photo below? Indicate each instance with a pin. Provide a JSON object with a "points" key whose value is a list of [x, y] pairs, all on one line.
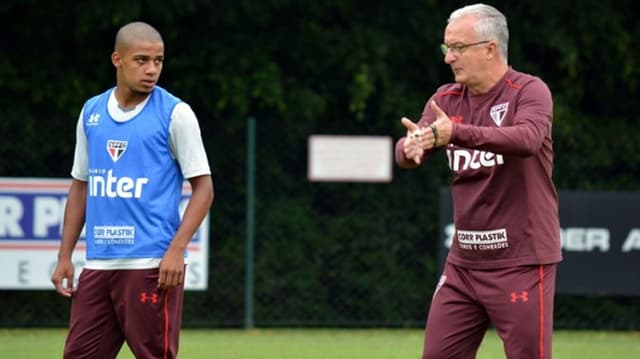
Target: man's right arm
{"points": [[74, 214], [74, 219]]}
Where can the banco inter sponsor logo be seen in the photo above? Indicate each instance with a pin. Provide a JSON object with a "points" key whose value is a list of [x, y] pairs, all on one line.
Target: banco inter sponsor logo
{"points": [[463, 159], [115, 187]]}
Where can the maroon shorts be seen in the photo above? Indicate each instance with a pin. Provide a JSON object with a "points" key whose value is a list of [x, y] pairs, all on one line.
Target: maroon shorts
{"points": [[111, 306], [518, 301]]}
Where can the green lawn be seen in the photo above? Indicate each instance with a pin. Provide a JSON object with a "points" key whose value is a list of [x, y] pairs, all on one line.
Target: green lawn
{"points": [[322, 344]]}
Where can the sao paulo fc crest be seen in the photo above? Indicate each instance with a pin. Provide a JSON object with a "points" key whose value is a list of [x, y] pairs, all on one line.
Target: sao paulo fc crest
{"points": [[116, 149], [498, 112]]}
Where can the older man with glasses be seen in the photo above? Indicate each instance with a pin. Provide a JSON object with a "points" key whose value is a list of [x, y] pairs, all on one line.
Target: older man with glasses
{"points": [[494, 124]]}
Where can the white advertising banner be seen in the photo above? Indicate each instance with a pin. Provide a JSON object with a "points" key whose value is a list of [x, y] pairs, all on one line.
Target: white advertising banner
{"points": [[31, 214]]}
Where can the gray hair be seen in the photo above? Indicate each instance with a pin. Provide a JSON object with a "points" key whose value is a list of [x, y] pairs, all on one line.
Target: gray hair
{"points": [[491, 24]]}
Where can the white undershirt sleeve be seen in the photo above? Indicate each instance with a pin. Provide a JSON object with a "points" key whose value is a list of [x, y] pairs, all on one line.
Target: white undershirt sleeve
{"points": [[185, 141], [80, 168]]}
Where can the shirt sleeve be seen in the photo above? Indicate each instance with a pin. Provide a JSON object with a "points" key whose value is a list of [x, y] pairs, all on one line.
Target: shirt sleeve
{"points": [[80, 168], [186, 143], [531, 126]]}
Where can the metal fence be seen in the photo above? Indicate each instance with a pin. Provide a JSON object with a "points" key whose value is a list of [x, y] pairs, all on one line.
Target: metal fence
{"points": [[287, 252]]}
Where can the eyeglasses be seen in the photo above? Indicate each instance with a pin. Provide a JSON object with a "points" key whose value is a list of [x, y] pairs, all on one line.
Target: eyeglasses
{"points": [[457, 48]]}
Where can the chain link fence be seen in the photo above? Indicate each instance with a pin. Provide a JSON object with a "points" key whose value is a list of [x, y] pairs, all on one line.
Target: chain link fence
{"points": [[324, 254]]}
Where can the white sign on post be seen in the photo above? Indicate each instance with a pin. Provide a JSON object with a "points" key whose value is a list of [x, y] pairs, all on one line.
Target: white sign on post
{"points": [[350, 158]]}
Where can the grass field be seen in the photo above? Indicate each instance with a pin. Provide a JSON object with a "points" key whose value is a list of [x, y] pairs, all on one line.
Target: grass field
{"points": [[322, 344]]}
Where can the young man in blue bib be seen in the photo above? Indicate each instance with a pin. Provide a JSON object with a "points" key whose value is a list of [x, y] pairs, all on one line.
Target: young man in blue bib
{"points": [[136, 143]]}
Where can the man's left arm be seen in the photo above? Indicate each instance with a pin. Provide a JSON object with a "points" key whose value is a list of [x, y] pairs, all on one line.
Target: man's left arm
{"points": [[187, 147], [532, 125], [172, 264]]}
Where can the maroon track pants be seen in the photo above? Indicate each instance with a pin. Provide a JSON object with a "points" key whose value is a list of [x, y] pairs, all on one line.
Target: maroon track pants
{"points": [[518, 301], [111, 306]]}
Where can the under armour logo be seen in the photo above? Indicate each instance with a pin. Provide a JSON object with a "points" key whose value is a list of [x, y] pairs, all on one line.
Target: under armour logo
{"points": [[523, 296], [93, 119], [153, 298]]}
